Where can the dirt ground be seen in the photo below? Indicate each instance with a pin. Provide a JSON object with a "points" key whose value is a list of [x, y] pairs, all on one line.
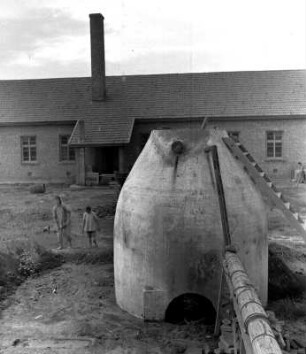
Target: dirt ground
{"points": [[69, 306]]}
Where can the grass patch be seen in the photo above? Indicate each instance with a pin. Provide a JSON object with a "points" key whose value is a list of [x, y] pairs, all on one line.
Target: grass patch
{"points": [[23, 258], [288, 309], [26, 265], [30, 265]]}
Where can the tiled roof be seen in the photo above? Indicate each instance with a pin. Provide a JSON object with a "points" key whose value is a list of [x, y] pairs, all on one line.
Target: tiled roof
{"points": [[181, 96]]}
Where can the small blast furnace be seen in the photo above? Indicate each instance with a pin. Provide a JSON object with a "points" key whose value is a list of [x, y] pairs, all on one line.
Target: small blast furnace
{"points": [[168, 235]]}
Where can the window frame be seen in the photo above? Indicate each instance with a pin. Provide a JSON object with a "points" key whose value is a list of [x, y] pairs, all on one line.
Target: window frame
{"points": [[29, 145], [275, 141], [69, 149]]}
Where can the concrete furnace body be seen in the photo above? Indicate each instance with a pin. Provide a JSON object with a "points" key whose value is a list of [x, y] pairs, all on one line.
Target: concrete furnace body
{"points": [[168, 235]]}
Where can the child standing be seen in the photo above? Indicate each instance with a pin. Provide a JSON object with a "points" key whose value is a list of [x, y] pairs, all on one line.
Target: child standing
{"points": [[90, 226], [62, 218]]}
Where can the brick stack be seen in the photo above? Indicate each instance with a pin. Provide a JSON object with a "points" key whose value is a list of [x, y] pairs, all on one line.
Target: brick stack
{"points": [[229, 338]]}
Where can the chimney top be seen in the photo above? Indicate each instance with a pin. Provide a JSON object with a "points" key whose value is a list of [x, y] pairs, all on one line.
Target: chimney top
{"points": [[96, 15], [97, 57]]}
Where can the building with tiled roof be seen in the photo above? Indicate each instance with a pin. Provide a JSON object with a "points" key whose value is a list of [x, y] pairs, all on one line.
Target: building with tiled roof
{"points": [[54, 130]]}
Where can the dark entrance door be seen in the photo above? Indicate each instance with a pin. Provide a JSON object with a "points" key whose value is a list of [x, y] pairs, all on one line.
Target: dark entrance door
{"points": [[107, 160]]}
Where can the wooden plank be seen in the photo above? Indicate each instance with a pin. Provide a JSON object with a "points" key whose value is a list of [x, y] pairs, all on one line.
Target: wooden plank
{"points": [[224, 220], [244, 291], [234, 335], [220, 292], [247, 305], [251, 316], [204, 123], [222, 204], [244, 336], [264, 188]]}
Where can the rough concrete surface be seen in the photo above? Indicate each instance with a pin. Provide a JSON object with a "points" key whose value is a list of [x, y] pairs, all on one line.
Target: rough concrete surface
{"points": [[167, 232]]}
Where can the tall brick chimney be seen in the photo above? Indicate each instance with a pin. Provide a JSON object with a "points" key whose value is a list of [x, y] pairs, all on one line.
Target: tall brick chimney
{"points": [[97, 57]]}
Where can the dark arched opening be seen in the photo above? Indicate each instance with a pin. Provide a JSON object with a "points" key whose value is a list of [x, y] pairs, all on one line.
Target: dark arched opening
{"points": [[190, 307]]}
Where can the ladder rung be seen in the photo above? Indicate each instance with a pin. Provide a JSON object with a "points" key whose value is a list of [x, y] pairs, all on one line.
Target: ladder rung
{"points": [[238, 150], [274, 188], [242, 147]]}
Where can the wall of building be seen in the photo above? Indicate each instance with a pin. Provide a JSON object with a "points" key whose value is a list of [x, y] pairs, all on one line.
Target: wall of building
{"points": [[90, 158], [133, 149], [252, 133], [47, 168]]}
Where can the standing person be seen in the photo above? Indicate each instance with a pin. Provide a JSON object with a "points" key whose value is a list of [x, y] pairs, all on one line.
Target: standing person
{"points": [[90, 226], [62, 218], [299, 174]]}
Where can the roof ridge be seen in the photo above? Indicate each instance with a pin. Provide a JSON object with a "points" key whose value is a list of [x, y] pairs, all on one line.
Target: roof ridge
{"points": [[46, 79], [213, 72], [162, 75]]}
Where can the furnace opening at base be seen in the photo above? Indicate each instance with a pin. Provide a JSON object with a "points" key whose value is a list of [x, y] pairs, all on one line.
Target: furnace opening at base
{"points": [[190, 307]]}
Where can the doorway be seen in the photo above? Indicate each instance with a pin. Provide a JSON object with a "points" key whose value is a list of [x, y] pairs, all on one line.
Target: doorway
{"points": [[190, 307], [107, 160]]}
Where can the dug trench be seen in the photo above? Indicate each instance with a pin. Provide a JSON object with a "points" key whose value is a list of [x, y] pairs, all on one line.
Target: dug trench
{"points": [[63, 301]]}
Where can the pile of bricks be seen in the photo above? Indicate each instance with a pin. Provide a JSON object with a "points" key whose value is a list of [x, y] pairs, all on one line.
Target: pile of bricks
{"points": [[229, 340]]}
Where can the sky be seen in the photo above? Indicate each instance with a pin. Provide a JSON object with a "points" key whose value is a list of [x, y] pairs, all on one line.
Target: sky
{"points": [[50, 38]]}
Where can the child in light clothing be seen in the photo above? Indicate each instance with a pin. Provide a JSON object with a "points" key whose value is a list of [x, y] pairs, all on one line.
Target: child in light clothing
{"points": [[90, 226]]}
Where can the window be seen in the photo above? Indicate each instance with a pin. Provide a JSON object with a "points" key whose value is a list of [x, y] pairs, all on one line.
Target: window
{"points": [[274, 144], [234, 135], [66, 153], [28, 149]]}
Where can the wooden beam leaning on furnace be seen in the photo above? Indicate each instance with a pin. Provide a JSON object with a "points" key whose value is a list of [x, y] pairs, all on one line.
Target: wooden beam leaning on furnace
{"points": [[253, 321]]}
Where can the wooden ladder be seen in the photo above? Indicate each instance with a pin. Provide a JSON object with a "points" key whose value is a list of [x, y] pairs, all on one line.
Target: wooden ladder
{"points": [[253, 321], [265, 185]]}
